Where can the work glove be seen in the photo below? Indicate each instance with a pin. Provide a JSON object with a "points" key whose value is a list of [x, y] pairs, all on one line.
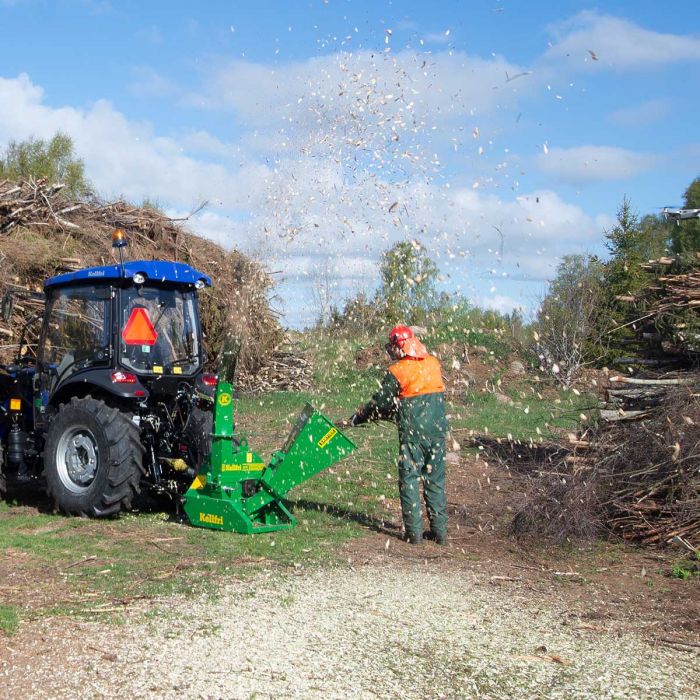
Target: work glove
{"points": [[350, 423]]}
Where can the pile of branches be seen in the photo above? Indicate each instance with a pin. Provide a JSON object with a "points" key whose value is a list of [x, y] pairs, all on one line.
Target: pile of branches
{"points": [[666, 315], [35, 203], [676, 309], [284, 371], [656, 467], [43, 233], [680, 291], [635, 398], [639, 480]]}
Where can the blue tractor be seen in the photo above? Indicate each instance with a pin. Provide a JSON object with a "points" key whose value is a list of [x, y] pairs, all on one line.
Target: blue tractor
{"points": [[116, 400]]}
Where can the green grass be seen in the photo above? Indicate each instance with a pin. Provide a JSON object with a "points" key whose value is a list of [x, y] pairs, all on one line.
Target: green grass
{"points": [[469, 336], [529, 416], [91, 564], [335, 374], [686, 568], [9, 619]]}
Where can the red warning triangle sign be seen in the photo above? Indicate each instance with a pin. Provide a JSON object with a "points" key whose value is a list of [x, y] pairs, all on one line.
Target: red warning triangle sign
{"points": [[138, 329]]}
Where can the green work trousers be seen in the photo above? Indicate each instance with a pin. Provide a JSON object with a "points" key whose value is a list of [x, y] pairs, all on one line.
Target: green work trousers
{"points": [[423, 460]]}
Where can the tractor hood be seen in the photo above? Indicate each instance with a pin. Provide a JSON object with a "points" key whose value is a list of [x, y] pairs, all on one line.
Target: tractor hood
{"points": [[153, 270]]}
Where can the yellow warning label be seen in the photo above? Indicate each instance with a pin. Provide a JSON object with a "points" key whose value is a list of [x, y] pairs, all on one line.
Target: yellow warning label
{"points": [[211, 519], [200, 481], [327, 437], [177, 370], [253, 467], [157, 369], [224, 399], [15, 404]]}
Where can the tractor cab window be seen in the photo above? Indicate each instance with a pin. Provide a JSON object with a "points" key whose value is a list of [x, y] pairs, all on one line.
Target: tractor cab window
{"points": [[77, 330], [158, 332]]}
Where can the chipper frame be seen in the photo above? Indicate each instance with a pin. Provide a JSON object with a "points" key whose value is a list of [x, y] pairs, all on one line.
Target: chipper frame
{"points": [[235, 491]]}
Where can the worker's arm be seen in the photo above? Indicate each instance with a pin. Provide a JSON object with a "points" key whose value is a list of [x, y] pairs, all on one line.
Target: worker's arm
{"points": [[382, 403]]}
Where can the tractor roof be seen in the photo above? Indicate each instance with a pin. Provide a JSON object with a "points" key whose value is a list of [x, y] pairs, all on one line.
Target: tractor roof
{"points": [[154, 270]]}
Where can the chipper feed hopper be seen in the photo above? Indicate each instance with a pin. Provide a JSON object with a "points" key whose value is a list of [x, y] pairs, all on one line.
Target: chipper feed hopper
{"points": [[235, 491]]}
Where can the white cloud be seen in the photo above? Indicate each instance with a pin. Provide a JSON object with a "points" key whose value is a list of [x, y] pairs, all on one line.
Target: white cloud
{"points": [[123, 157], [501, 303], [203, 143], [411, 90], [594, 163], [618, 43], [340, 157]]}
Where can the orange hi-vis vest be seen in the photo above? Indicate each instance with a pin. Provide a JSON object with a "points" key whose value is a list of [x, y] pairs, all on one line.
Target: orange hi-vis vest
{"points": [[418, 376]]}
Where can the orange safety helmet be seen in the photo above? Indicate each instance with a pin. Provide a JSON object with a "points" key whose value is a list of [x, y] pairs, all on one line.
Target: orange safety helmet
{"points": [[399, 334]]}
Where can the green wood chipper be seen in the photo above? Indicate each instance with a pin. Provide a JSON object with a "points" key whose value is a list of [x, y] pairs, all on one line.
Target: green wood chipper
{"points": [[236, 491]]}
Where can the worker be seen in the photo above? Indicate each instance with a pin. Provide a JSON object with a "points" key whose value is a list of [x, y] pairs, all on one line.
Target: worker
{"points": [[412, 390]]}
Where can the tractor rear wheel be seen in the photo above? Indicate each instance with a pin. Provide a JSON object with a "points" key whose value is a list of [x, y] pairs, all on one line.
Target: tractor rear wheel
{"points": [[93, 459], [3, 481]]}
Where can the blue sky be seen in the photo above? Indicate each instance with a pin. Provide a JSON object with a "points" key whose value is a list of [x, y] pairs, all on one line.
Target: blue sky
{"points": [[499, 135]]}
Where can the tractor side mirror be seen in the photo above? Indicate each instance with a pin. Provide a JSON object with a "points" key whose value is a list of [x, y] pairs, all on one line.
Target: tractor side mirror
{"points": [[7, 306]]}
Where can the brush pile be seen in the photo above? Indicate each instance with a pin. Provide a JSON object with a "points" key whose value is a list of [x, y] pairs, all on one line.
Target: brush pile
{"points": [[676, 310], [42, 233], [666, 315], [655, 472], [283, 371], [639, 480], [635, 398]]}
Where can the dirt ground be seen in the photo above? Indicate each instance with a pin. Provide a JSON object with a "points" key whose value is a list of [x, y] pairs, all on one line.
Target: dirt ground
{"points": [[607, 582], [601, 592]]}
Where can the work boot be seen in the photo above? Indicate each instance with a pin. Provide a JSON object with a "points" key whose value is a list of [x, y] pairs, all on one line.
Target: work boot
{"points": [[413, 537], [438, 538]]}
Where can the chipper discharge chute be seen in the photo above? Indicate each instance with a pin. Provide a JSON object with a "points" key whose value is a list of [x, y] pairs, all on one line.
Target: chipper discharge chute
{"points": [[235, 491]]}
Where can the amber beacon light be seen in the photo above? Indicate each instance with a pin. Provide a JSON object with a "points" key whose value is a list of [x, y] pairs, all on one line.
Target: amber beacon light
{"points": [[119, 239]]}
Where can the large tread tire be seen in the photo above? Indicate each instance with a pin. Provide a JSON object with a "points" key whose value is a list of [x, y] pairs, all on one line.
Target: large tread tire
{"points": [[93, 459], [198, 436], [3, 480]]}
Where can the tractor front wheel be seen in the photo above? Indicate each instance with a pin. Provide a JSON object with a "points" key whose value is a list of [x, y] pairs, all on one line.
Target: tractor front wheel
{"points": [[93, 459]]}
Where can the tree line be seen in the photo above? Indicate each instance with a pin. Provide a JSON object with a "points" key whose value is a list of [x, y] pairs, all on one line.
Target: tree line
{"points": [[582, 320], [585, 317]]}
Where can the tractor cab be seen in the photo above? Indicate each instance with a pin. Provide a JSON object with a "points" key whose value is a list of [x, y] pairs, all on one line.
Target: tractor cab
{"points": [[120, 329]]}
